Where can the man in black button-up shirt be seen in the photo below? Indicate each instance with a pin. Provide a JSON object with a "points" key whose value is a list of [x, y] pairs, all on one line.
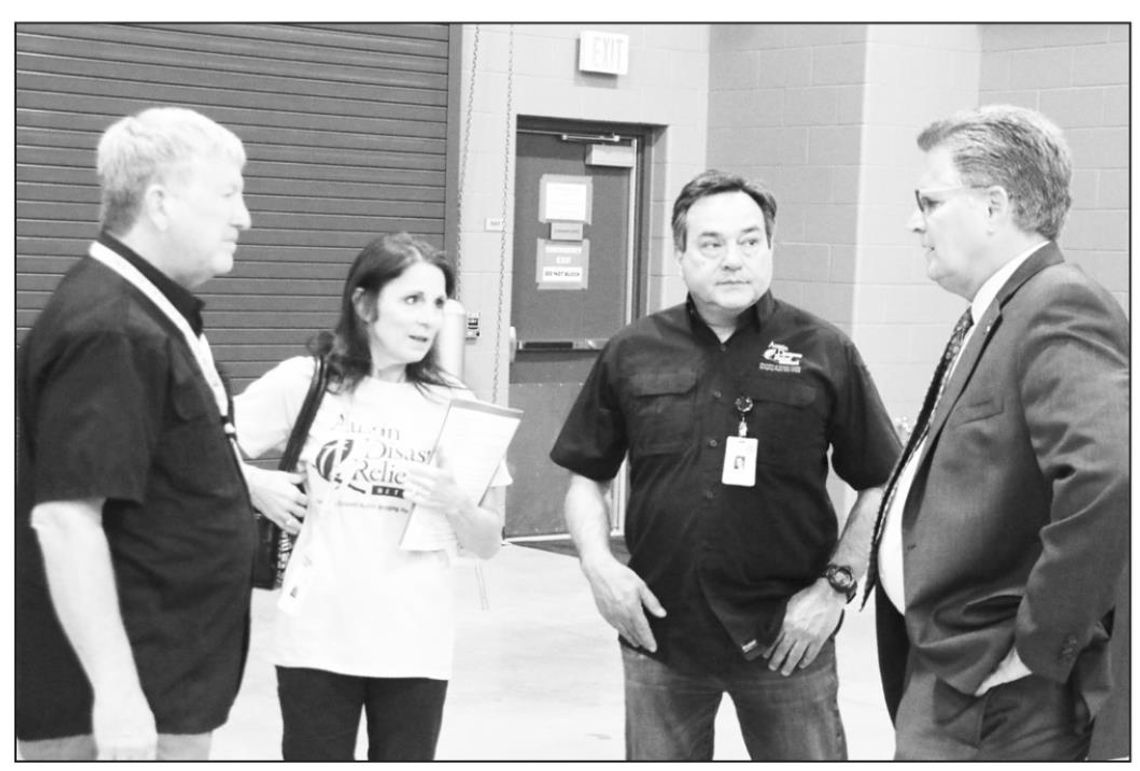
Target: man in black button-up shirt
{"points": [[727, 406], [134, 535]]}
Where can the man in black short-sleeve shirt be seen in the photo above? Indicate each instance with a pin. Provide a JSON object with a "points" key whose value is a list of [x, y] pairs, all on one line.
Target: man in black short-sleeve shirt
{"points": [[134, 532], [727, 406]]}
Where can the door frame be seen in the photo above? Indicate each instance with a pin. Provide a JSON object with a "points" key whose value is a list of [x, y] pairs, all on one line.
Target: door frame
{"points": [[644, 138]]}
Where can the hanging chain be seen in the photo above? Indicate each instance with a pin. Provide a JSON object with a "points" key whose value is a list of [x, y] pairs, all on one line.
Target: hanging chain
{"points": [[464, 155], [506, 195]]}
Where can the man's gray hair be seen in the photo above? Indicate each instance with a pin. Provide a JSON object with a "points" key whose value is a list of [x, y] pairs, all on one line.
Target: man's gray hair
{"points": [[154, 145], [1015, 148]]}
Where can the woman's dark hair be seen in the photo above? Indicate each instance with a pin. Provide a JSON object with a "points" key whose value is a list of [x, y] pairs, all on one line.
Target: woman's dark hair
{"points": [[346, 348]]}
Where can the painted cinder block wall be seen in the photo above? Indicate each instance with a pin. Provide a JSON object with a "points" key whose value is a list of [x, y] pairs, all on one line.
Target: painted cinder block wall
{"points": [[1078, 75], [786, 108], [915, 74], [827, 115], [1075, 74]]}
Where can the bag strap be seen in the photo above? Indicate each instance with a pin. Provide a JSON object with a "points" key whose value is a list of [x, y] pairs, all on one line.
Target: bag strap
{"points": [[304, 422]]}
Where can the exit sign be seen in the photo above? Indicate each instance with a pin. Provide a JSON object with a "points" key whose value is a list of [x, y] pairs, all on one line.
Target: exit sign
{"points": [[603, 52]]}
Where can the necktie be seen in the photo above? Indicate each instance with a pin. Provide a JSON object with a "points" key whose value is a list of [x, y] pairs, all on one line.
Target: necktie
{"points": [[933, 394]]}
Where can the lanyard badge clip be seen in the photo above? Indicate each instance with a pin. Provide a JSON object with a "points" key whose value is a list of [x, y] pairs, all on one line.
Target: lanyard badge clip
{"points": [[740, 450], [743, 406]]}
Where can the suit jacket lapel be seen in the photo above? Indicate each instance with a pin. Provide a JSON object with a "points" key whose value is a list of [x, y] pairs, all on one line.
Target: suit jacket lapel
{"points": [[1047, 255]]}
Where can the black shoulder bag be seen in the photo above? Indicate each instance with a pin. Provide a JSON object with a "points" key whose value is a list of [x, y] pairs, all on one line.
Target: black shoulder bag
{"points": [[274, 545]]}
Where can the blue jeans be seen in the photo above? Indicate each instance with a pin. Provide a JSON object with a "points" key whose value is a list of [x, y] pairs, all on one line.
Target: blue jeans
{"points": [[670, 715]]}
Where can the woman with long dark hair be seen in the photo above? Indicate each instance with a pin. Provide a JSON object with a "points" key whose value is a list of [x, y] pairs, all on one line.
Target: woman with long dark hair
{"points": [[364, 625]]}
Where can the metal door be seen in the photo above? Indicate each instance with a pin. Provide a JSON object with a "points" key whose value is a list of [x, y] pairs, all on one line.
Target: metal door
{"points": [[574, 286]]}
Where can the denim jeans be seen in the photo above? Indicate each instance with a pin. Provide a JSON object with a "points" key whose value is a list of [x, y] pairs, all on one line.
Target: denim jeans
{"points": [[320, 714], [82, 747], [670, 715]]}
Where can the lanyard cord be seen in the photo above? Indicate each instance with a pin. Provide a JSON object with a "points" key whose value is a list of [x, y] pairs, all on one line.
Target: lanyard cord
{"points": [[197, 343]]}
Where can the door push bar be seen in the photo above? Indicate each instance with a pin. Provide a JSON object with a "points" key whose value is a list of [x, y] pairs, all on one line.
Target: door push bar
{"points": [[557, 346]]}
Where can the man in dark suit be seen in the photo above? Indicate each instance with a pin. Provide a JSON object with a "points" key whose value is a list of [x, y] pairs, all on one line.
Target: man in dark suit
{"points": [[1003, 532]]}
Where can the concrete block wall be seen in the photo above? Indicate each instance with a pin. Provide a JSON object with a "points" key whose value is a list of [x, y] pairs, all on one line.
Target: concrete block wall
{"points": [[827, 115], [667, 86], [785, 107], [915, 74], [1078, 75]]}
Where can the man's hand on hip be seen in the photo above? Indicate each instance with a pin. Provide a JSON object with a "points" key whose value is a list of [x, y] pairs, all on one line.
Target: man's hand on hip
{"points": [[811, 617], [622, 598]]}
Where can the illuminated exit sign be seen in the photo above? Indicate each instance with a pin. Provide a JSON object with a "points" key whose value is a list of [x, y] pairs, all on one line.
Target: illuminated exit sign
{"points": [[603, 52]]}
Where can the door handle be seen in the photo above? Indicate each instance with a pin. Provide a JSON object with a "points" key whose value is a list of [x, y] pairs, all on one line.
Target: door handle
{"points": [[555, 346], [513, 336]]}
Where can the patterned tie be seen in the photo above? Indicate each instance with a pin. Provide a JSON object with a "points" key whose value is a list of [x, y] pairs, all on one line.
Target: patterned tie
{"points": [[921, 427]]}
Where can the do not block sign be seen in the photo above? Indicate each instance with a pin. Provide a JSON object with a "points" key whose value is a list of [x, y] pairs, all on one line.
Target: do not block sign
{"points": [[562, 265]]}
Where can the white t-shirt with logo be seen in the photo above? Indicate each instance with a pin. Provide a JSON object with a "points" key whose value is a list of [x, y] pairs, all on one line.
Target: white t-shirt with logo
{"points": [[354, 602]]}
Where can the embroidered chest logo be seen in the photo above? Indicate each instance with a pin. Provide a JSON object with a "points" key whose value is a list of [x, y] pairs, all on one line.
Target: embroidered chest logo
{"points": [[779, 359]]}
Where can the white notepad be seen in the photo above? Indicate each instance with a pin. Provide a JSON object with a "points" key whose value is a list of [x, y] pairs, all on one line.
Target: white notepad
{"points": [[474, 438]]}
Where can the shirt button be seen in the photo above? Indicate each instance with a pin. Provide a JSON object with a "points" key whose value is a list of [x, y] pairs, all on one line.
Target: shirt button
{"points": [[723, 347], [716, 395], [712, 443], [709, 495]]}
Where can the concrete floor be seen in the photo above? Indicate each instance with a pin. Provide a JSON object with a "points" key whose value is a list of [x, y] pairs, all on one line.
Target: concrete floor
{"points": [[538, 675]]}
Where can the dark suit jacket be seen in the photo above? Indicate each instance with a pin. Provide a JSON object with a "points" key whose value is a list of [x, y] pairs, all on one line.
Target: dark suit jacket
{"points": [[1016, 527]]}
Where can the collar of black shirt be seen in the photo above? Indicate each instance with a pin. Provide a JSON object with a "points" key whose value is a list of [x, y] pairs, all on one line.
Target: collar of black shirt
{"points": [[187, 304], [759, 313]]}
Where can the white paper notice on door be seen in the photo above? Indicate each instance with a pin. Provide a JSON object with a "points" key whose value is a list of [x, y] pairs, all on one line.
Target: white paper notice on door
{"points": [[566, 198]]}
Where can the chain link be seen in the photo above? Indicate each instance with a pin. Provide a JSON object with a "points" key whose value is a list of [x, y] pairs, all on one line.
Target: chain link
{"points": [[507, 166], [464, 155]]}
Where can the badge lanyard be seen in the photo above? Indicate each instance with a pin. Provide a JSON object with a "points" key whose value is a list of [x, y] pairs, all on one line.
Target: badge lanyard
{"points": [[299, 570], [740, 450], [197, 343]]}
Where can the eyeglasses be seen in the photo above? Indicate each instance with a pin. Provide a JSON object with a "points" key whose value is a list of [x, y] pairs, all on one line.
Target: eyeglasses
{"points": [[927, 204]]}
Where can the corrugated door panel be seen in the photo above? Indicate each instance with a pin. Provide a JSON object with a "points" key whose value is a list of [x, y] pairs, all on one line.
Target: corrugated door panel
{"points": [[345, 126], [273, 81], [259, 46]]}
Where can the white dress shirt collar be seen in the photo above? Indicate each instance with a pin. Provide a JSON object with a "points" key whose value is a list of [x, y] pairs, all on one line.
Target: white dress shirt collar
{"points": [[994, 283]]}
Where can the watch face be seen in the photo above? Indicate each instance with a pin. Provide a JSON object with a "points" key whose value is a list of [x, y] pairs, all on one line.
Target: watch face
{"points": [[841, 578]]}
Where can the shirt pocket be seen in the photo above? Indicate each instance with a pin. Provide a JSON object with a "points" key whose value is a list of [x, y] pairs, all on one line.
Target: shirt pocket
{"points": [[662, 411], [193, 449], [788, 429]]}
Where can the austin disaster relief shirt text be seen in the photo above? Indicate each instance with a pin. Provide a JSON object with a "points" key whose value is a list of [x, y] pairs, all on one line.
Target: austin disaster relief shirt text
{"points": [[391, 613]]}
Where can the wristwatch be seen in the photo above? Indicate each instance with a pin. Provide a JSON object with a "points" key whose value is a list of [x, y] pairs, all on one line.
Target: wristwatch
{"points": [[842, 580]]}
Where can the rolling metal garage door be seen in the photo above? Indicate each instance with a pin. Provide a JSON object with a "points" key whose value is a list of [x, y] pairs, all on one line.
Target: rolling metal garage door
{"points": [[345, 126]]}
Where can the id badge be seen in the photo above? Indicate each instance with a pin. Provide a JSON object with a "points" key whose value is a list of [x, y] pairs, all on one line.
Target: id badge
{"points": [[739, 461], [295, 583]]}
